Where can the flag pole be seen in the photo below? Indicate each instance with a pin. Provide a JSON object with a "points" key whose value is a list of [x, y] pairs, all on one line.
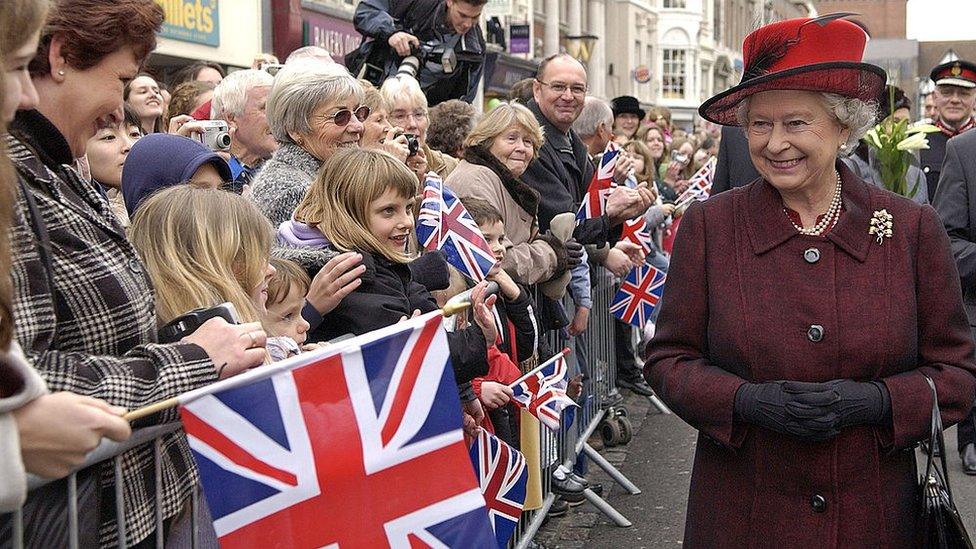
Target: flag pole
{"points": [[533, 371], [450, 309]]}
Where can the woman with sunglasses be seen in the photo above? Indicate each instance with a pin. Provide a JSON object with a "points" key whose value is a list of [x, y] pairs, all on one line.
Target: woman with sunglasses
{"points": [[313, 110]]}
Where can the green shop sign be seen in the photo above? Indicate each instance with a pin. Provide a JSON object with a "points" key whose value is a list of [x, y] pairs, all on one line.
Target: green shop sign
{"points": [[191, 21]]}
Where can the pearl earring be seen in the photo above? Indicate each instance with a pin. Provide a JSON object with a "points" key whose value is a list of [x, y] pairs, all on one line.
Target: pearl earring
{"points": [[843, 146]]}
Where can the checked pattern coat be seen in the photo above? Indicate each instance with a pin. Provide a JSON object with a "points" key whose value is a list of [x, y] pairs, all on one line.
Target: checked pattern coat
{"points": [[93, 332]]}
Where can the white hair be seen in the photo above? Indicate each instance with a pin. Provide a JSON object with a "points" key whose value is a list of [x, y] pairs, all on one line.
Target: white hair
{"points": [[595, 111], [401, 85], [310, 52], [301, 87], [856, 115], [230, 96]]}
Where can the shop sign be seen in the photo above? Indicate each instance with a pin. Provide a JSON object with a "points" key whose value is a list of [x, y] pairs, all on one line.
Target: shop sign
{"points": [[642, 74], [519, 39], [191, 21], [338, 36]]}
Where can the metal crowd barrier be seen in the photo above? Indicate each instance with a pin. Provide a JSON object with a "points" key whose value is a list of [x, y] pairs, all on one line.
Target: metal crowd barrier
{"points": [[563, 447]]}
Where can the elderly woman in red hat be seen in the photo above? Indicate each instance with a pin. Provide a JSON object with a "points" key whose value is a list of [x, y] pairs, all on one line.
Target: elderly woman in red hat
{"points": [[803, 313]]}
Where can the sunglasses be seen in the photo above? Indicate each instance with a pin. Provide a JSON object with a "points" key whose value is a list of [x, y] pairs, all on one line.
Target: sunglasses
{"points": [[344, 116]]}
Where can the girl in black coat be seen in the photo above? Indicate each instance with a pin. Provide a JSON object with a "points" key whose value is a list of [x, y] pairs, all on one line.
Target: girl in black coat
{"points": [[363, 201]]}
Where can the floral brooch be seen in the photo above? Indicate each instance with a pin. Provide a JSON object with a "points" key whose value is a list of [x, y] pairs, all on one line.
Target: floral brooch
{"points": [[880, 226]]}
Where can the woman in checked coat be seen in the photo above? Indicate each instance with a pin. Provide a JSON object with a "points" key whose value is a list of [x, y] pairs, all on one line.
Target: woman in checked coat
{"points": [[803, 313]]}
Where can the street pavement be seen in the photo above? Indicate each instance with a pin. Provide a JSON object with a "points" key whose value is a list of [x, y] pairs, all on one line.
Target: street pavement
{"points": [[659, 461]]}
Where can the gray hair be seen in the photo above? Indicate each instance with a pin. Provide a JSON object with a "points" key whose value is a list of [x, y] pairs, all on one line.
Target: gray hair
{"points": [[230, 96], [856, 115], [301, 87], [402, 85], [595, 111], [310, 52]]}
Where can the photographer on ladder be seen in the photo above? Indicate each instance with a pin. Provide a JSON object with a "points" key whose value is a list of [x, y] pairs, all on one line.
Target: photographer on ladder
{"points": [[438, 42]]}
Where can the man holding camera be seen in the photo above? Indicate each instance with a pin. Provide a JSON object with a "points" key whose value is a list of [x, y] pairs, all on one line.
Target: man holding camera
{"points": [[240, 100], [438, 42]]}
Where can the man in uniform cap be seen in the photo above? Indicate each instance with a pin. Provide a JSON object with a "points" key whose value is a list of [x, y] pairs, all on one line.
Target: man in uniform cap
{"points": [[955, 97]]}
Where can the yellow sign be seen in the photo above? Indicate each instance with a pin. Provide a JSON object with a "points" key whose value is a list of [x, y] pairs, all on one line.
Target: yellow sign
{"points": [[191, 21]]}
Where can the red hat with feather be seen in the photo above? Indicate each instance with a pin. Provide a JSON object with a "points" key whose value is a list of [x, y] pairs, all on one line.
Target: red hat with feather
{"points": [[822, 54]]}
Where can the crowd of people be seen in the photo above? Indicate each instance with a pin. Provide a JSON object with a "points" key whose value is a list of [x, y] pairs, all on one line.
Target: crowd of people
{"points": [[124, 212]]}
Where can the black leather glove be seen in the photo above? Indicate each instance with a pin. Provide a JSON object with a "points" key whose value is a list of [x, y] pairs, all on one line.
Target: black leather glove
{"points": [[574, 253], [770, 406], [844, 402]]}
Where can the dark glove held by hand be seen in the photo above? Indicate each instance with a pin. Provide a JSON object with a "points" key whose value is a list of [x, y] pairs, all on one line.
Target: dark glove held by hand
{"points": [[574, 253], [768, 405], [850, 402]]}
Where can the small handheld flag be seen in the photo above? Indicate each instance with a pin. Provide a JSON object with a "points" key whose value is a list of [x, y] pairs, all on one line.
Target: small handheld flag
{"points": [[444, 224], [502, 473], [638, 295], [595, 201], [542, 391]]}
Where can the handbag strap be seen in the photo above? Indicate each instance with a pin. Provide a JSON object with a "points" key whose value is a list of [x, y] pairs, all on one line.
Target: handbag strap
{"points": [[936, 437]]}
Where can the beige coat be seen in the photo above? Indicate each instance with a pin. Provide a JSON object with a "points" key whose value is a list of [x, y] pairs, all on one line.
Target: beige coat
{"points": [[528, 260]]}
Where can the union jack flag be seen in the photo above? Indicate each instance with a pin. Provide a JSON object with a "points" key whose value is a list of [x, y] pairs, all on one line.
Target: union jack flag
{"points": [[356, 445], [444, 224], [638, 295], [543, 391], [637, 231], [700, 184], [595, 201], [503, 475]]}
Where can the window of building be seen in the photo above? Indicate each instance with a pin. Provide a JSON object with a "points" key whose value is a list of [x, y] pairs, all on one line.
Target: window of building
{"points": [[674, 3], [673, 77]]}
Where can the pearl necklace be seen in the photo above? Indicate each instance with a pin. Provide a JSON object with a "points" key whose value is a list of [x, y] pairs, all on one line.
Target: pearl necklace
{"points": [[833, 212]]}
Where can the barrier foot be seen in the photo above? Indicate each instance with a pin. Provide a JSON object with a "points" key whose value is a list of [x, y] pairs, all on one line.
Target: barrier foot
{"points": [[606, 508], [537, 520], [614, 473], [659, 404]]}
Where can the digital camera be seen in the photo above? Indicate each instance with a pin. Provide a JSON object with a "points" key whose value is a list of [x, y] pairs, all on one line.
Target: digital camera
{"points": [[186, 324], [215, 135], [271, 68], [679, 157], [413, 144]]}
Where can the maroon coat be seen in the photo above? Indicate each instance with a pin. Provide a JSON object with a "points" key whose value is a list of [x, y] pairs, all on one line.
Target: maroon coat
{"points": [[739, 302]]}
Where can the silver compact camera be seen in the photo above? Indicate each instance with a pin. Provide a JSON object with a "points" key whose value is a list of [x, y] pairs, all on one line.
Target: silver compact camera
{"points": [[215, 135]]}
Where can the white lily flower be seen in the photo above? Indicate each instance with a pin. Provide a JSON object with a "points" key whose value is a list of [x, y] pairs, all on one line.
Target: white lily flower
{"points": [[913, 142], [923, 128], [873, 138]]}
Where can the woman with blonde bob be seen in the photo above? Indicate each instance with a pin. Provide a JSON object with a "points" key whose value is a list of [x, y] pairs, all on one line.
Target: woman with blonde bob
{"points": [[497, 152], [362, 201], [203, 247]]}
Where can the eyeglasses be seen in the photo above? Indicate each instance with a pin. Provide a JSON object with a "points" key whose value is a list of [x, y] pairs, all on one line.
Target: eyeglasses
{"points": [[401, 116], [344, 116], [560, 88]]}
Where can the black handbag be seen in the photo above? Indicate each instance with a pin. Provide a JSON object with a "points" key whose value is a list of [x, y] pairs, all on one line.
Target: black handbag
{"points": [[941, 526]]}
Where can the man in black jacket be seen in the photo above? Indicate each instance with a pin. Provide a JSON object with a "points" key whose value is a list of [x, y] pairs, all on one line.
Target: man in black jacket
{"points": [[400, 28]]}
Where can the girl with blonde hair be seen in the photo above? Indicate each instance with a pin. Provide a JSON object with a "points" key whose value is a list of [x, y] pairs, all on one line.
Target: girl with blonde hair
{"points": [[203, 247], [362, 201]]}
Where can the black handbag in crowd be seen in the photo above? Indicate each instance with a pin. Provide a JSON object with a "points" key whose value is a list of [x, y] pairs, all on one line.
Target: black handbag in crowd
{"points": [[941, 526]]}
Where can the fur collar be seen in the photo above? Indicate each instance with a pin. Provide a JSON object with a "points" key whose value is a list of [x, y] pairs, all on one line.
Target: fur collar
{"points": [[525, 196]]}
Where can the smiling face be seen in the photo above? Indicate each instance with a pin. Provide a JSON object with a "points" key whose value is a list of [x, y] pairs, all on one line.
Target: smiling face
{"points": [[326, 136], [628, 123], [375, 128], [19, 92], [145, 98], [562, 105], [107, 151], [954, 103], [390, 220], [80, 102], [285, 317], [513, 147], [251, 131], [655, 142], [793, 140]]}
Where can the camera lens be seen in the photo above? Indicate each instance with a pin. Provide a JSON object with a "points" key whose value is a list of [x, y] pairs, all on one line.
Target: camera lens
{"points": [[222, 141], [409, 66]]}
